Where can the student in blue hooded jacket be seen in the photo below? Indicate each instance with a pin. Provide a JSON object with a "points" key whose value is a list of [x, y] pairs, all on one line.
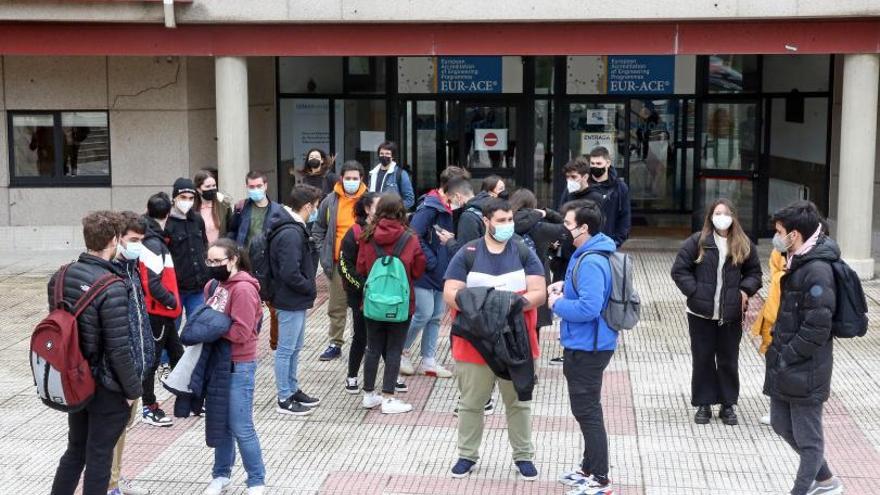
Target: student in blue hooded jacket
{"points": [[587, 339]]}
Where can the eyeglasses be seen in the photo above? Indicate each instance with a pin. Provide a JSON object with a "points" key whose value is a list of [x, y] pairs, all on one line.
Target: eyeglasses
{"points": [[211, 262]]}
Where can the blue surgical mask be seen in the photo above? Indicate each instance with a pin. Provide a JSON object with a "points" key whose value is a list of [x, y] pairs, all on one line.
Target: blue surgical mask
{"points": [[503, 232], [132, 250], [313, 216], [256, 195], [351, 186]]}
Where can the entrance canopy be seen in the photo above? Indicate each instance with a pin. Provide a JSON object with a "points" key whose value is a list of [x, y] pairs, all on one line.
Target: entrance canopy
{"points": [[576, 38]]}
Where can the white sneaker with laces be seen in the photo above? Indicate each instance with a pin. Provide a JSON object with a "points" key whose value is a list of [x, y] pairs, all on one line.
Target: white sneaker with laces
{"points": [[765, 420], [589, 486], [371, 400], [256, 490], [434, 370], [217, 486], [127, 488], [572, 478], [395, 406], [406, 367]]}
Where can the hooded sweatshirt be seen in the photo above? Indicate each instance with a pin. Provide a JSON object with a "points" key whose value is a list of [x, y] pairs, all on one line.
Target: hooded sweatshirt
{"points": [[386, 235], [581, 309], [433, 211], [239, 298]]}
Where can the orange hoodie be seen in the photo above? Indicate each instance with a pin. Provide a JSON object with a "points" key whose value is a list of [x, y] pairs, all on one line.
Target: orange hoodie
{"points": [[344, 214]]}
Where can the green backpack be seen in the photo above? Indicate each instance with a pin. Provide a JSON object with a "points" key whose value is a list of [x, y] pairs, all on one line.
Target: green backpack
{"points": [[386, 291]]}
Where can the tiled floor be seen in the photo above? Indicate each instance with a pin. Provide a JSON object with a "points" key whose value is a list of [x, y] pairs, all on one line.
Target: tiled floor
{"points": [[655, 448]]}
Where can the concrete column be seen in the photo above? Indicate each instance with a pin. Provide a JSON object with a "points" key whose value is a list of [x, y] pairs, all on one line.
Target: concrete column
{"points": [[233, 154], [858, 147]]}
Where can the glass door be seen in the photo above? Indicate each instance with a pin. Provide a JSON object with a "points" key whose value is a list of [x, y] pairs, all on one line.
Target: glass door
{"points": [[483, 137], [598, 124]]}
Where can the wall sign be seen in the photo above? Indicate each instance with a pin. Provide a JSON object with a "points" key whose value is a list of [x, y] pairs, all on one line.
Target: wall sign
{"points": [[641, 74], [490, 139], [468, 74], [591, 140]]}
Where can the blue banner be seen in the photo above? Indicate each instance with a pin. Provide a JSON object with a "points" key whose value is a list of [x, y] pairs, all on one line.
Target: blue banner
{"points": [[468, 74], [641, 74]]}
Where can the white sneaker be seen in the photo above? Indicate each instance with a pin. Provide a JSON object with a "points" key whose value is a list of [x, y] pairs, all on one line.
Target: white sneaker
{"points": [[832, 486], [351, 385], [395, 406], [371, 400], [217, 486], [589, 486], [765, 420], [406, 367], [436, 371], [127, 488], [572, 478], [256, 490]]}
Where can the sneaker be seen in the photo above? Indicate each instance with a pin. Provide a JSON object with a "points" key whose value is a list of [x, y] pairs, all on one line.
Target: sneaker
{"points": [[395, 406], [572, 478], [292, 408], [153, 415], [330, 353], [256, 490], [765, 420], [591, 486], [406, 367], [488, 409], [305, 400], [217, 486], [351, 385], [703, 415], [557, 361], [831, 486], [462, 468], [371, 400], [436, 371], [125, 487], [163, 371], [728, 415], [527, 470], [400, 387]]}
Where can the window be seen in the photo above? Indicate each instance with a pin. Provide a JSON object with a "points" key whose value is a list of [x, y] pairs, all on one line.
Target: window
{"points": [[733, 74], [59, 148]]}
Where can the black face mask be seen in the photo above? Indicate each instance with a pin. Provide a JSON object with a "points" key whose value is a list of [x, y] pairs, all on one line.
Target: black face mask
{"points": [[209, 195], [219, 273], [385, 160], [313, 163], [597, 172]]}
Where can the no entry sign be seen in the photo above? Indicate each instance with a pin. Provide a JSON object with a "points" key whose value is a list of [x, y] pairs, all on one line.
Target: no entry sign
{"points": [[490, 139]]}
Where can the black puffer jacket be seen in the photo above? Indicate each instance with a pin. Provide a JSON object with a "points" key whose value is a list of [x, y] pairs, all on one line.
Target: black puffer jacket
{"points": [[800, 358], [293, 269], [468, 219], [544, 231], [103, 326], [189, 248], [697, 281]]}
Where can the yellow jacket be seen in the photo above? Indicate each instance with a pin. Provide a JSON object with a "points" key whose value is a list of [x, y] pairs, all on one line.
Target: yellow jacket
{"points": [[767, 317]]}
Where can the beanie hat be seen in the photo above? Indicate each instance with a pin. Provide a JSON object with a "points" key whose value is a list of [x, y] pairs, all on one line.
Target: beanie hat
{"points": [[183, 185]]}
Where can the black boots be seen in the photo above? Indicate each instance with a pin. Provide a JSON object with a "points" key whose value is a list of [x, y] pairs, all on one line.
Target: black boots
{"points": [[704, 414], [728, 415]]}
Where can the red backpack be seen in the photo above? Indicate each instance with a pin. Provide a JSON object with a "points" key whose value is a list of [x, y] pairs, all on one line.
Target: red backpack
{"points": [[62, 375]]}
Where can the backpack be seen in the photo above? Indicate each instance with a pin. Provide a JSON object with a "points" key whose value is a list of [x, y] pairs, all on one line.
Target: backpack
{"points": [[623, 309], [851, 314], [61, 374], [261, 267], [386, 291], [529, 242]]}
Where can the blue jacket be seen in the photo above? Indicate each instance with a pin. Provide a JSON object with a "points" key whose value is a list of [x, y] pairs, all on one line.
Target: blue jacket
{"points": [[240, 222], [396, 180], [432, 212], [581, 310]]}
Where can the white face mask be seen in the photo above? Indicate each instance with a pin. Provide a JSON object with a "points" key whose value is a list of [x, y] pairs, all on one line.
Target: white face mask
{"points": [[184, 206], [722, 222], [573, 186]]}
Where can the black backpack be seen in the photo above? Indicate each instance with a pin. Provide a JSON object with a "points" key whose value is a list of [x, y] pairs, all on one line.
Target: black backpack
{"points": [[851, 315], [261, 268]]}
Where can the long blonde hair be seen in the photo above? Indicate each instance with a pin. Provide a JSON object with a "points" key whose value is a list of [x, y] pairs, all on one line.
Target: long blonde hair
{"points": [[739, 247]]}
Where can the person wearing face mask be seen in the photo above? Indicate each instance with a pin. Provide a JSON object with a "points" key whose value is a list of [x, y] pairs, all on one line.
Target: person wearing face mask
{"points": [[293, 292], [611, 194], [335, 217], [249, 216], [506, 264], [317, 171], [390, 176], [577, 173], [188, 243], [214, 206], [718, 270]]}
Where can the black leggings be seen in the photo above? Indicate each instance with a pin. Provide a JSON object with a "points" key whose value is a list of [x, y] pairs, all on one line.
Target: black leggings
{"points": [[386, 340], [359, 337], [164, 337]]}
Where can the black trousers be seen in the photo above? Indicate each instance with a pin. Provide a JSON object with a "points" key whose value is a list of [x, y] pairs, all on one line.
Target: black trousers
{"points": [[165, 338], [583, 372], [384, 340], [92, 434], [358, 338], [715, 353]]}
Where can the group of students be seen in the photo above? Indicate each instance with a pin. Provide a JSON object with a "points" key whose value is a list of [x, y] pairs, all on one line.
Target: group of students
{"points": [[499, 265]]}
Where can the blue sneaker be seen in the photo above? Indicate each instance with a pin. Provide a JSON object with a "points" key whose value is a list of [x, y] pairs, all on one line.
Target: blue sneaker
{"points": [[330, 353], [527, 470], [462, 468]]}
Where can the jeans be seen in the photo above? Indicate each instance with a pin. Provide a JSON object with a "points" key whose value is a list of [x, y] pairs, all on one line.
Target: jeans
{"points": [[291, 336], [384, 339], [92, 435], [241, 429], [358, 336], [715, 352], [166, 339], [800, 425], [429, 310], [583, 372]]}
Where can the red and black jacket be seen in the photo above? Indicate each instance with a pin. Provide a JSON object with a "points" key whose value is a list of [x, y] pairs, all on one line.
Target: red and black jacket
{"points": [[157, 273]]}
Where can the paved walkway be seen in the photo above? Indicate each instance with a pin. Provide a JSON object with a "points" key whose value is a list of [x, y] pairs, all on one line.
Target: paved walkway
{"points": [[655, 448]]}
